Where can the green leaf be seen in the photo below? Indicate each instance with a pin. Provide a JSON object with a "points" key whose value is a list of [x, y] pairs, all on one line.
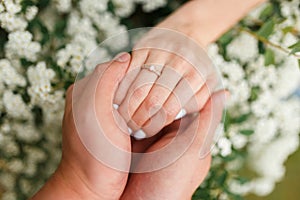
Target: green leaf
{"points": [[226, 38], [267, 29], [267, 12], [247, 132], [297, 44], [269, 57], [222, 178], [295, 47], [287, 29], [254, 93], [240, 119]]}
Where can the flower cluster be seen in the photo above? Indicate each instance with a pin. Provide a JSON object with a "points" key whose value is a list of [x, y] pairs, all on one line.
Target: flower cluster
{"points": [[43, 44]]}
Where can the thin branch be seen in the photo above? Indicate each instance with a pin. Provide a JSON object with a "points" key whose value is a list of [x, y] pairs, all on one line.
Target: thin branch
{"points": [[265, 41]]}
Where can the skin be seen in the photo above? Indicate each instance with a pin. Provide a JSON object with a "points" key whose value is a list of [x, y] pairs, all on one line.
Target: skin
{"points": [[81, 176], [198, 20]]}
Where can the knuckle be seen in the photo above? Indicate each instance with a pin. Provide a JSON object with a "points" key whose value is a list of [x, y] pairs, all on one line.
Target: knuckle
{"points": [[99, 68], [152, 102], [139, 93], [172, 111]]}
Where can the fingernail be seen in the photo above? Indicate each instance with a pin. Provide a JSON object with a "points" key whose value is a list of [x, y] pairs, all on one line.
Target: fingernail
{"points": [[181, 114], [139, 134], [130, 131], [115, 106], [122, 57]]}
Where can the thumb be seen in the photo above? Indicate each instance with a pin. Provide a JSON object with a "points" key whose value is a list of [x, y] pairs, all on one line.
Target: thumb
{"points": [[101, 131], [110, 75]]}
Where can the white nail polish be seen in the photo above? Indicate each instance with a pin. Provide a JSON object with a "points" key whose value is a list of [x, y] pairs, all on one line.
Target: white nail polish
{"points": [[115, 106], [130, 131], [181, 114], [139, 134]]}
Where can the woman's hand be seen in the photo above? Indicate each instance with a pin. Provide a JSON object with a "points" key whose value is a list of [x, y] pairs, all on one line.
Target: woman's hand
{"points": [[180, 179], [167, 70], [82, 174], [163, 61]]}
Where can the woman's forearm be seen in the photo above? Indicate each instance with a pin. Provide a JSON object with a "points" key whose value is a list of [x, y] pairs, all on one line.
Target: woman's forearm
{"points": [[206, 20]]}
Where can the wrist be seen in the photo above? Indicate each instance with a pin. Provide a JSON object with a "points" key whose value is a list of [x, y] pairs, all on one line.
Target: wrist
{"points": [[65, 184], [206, 20]]}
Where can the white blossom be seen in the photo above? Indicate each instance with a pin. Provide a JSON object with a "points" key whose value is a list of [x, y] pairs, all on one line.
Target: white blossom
{"points": [[15, 106], [9, 196], [262, 186], [265, 130], [40, 80], [12, 7], [92, 7], [243, 48], [15, 165], [11, 22], [1, 8], [31, 12], [9, 75], [225, 146], [63, 5], [123, 8], [20, 45], [149, 6]]}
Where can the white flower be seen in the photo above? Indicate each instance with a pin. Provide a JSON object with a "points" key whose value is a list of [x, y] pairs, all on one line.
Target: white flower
{"points": [[63, 5], [270, 158], [8, 180], [8, 146], [15, 165], [149, 6], [288, 78], [288, 114], [233, 70], [26, 132], [78, 25], [34, 154], [225, 146], [26, 186], [20, 45], [264, 104], [9, 75], [123, 8], [239, 188], [262, 186], [243, 47], [92, 7], [239, 141], [1, 8], [11, 7], [31, 12], [40, 80], [265, 130], [11, 22], [15, 106], [9, 196]]}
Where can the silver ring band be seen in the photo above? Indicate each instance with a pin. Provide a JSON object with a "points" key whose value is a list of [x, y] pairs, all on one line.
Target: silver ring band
{"points": [[151, 68]]}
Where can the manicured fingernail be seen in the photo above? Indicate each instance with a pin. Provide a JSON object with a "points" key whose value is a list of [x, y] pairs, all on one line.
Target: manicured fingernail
{"points": [[115, 106], [122, 57], [181, 114], [139, 134], [130, 131]]}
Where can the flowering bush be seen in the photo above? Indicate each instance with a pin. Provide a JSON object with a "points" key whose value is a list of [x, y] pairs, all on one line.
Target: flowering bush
{"points": [[43, 44]]}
